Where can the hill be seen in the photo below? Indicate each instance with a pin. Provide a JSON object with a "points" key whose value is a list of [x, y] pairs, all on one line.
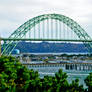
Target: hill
{"points": [[46, 47]]}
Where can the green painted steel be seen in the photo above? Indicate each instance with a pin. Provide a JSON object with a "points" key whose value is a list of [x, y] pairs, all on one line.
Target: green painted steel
{"points": [[28, 39], [27, 26]]}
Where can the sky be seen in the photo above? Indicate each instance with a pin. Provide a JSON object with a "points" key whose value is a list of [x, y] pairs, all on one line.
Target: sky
{"points": [[13, 13]]}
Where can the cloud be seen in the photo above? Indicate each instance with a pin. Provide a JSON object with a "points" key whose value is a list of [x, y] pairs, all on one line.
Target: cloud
{"points": [[13, 13]]}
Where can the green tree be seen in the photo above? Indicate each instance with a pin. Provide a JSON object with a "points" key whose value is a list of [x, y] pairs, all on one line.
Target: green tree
{"points": [[75, 87], [88, 82], [14, 77]]}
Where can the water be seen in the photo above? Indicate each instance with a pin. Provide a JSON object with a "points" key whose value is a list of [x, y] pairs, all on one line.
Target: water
{"points": [[70, 53], [72, 74]]}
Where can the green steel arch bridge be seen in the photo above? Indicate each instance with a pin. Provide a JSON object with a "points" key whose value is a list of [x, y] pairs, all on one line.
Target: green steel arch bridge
{"points": [[47, 27]]}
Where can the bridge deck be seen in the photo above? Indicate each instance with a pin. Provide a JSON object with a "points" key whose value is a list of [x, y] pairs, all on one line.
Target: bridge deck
{"points": [[28, 39], [56, 63]]}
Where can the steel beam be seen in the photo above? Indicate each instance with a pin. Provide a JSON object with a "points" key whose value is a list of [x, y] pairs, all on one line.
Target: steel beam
{"points": [[28, 39]]}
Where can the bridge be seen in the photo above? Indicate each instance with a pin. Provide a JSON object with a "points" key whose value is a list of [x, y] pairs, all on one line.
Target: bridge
{"points": [[47, 27], [66, 66], [28, 39]]}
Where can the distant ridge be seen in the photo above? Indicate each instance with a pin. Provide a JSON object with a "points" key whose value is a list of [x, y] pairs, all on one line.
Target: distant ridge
{"points": [[46, 47]]}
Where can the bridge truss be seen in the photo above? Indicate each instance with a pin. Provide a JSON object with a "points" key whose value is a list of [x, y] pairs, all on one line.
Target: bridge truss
{"points": [[50, 27]]}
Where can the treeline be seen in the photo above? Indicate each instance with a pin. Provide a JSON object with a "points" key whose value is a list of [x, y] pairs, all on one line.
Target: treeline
{"points": [[14, 77], [29, 47]]}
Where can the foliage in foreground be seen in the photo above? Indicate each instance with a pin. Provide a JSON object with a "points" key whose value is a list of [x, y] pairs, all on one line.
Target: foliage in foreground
{"points": [[14, 77]]}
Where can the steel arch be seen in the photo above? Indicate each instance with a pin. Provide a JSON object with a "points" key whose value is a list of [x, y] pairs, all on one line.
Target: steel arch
{"points": [[24, 28]]}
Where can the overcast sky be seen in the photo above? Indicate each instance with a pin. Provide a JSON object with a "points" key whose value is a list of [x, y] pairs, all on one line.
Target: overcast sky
{"points": [[13, 13]]}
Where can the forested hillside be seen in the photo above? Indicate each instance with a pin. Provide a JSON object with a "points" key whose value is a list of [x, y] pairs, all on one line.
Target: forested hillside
{"points": [[45, 47]]}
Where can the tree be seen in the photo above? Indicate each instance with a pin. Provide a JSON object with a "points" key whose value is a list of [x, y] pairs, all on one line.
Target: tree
{"points": [[14, 77], [75, 87], [88, 82]]}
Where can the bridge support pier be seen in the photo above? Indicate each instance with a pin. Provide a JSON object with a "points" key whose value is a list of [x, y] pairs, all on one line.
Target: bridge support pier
{"points": [[77, 67], [80, 67]]}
